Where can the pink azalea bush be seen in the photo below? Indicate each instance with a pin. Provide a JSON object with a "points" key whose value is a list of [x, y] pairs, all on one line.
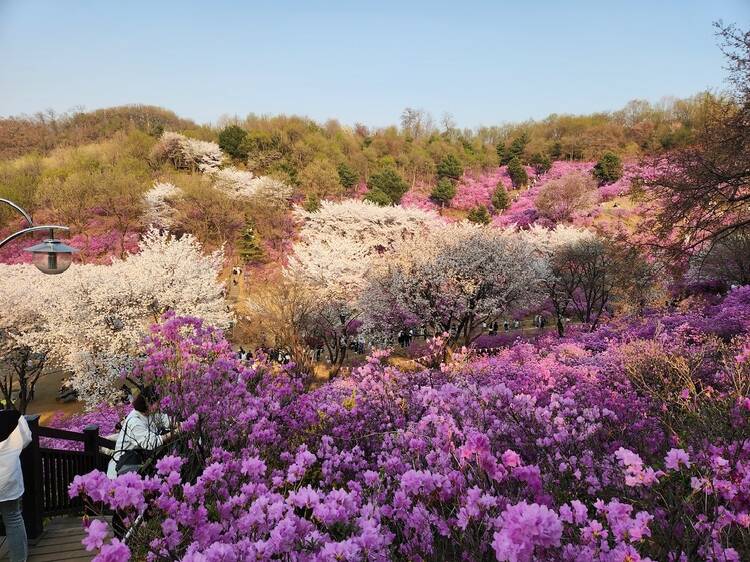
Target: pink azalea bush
{"points": [[629, 443]]}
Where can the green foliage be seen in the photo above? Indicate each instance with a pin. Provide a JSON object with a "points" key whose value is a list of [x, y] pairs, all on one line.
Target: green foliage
{"points": [[443, 192], [500, 150], [555, 150], [232, 141], [320, 177], [500, 199], [389, 183], [516, 148], [348, 177], [479, 215], [540, 162], [312, 203], [609, 168], [249, 247], [517, 173], [378, 197], [450, 168]]}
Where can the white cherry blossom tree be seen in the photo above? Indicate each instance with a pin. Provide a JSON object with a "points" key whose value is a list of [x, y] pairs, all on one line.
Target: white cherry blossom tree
{"points": [[91, 320]]}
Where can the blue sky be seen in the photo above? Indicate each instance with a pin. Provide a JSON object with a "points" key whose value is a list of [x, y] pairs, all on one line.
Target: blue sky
{"points": [[359, 61]]}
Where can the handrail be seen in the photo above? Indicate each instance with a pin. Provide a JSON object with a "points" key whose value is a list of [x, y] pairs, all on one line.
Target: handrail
{"points": [[55, 433], [47, 473]]}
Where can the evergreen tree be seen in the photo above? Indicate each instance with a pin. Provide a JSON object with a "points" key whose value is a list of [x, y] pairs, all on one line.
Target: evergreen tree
{"points": [[443, 192], [500, 149], [609, 168], [517, 173], [555, 150], [540, 162], [347, 176], [516, 148], [479, 215], [449, 167], [312, 203], [232, 141], [389, 183], [500, 199], [249, 246]]}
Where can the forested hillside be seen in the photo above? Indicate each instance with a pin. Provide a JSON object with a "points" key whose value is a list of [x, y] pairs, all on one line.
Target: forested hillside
{"points": [[93, 170]]}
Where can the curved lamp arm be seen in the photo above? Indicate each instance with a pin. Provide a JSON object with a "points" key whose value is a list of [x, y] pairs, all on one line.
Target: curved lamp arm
{"points": [[50, 227], [26, 215], [31, 227]]}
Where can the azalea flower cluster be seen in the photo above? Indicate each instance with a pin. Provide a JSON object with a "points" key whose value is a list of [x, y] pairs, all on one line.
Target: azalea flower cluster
{"points": [[552, 450]]}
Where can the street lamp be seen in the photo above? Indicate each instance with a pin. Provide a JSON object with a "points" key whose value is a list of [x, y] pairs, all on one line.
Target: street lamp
{"points": [[51, 257]]}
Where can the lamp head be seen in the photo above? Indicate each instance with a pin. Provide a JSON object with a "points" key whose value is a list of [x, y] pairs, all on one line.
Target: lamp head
{"points": [[52, 257]]}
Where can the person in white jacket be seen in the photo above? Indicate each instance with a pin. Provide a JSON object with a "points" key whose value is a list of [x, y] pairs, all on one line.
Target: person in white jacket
{"points": [[14, 436], [142, 430]]}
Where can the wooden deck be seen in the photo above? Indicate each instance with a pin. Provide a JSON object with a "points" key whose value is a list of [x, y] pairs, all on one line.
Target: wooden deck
{"points": [[60, 541]]}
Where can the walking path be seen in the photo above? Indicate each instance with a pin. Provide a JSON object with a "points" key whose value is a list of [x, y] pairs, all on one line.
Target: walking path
{"points": [[61, 540]]}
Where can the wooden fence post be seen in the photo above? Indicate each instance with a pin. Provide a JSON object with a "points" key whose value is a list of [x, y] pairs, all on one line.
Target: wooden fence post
{"points": [[33, 496], [91, 438]]}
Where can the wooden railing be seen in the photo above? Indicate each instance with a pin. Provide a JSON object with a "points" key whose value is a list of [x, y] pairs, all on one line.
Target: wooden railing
{"points": [[47, 473]]}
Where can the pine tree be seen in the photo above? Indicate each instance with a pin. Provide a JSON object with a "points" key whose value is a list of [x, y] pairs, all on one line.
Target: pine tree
{"points": [[500, 149], [516, 148], [609, 168], [232, 141], [347, 176], [540, 162], [312, 203], [500, 199], [517, 173], [389, 183], [449, 167], [249, 246], [479, 215], [443, 192]]}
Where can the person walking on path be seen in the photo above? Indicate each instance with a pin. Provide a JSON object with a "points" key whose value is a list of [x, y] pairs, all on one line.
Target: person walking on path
{"points": [[14, 436]]}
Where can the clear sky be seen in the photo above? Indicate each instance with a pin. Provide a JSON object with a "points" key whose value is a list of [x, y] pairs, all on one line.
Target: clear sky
{"points": [[359, 61]]}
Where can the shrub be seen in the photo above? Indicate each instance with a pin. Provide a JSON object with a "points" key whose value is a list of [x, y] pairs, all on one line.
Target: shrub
{"points": [[232, 141], [479, 215], [443, 191], [517, 173], [390, 184], [378, 197], [608, 168], [559, 199]]}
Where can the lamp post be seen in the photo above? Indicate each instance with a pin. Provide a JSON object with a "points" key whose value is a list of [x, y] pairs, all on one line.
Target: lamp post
{"points": [[51, 257]]}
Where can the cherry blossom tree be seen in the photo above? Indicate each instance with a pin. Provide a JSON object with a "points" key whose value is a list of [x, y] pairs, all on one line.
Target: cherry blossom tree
{"points": [[159, 211], [338, 246], [453, 279], [241, 184], [20, 323], [186, 153], [93, 318]]}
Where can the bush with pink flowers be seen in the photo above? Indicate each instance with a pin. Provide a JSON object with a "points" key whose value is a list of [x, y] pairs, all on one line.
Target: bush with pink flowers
{"points": [[628, 443]]}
